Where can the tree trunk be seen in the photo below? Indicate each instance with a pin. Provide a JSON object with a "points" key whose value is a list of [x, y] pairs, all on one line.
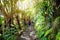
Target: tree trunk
{"points": [[17, 18]]}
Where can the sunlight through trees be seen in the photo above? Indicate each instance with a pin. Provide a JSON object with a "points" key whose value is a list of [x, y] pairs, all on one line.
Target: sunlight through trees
{"points": [[18, 15]]}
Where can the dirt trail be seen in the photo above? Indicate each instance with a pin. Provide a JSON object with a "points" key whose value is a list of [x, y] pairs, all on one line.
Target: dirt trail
{"points": [[29, 34]]}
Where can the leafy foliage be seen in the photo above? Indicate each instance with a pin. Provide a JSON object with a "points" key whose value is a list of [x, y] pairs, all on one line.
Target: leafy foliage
{"points": [[44, 13], [44, 26]]}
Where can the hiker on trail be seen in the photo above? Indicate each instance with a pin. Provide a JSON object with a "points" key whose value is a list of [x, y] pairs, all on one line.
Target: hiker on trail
{"points": [[29, 22]]}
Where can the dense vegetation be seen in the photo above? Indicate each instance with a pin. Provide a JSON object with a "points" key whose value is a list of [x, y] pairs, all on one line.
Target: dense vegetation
{"points": [[45, 15]]}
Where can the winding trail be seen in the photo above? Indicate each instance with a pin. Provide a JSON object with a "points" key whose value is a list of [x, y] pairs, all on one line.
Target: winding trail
{"points": [[29, 34]]}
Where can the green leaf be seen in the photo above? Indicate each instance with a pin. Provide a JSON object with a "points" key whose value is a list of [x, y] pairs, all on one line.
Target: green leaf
{"points": [[47, 32], [44, 38], [58, 36]]}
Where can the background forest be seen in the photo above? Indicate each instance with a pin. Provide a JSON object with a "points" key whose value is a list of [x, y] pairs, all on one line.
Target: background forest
{"points": [[43, 14]]}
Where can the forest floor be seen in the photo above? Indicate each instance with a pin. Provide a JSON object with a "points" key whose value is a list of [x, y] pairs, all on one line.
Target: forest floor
{"points": [[29, 34]]}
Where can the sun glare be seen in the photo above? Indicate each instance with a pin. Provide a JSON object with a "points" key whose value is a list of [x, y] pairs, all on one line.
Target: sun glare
{"points": [[25, 4]]}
